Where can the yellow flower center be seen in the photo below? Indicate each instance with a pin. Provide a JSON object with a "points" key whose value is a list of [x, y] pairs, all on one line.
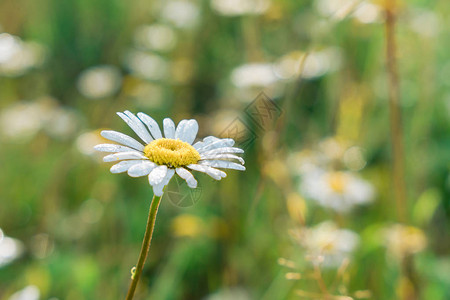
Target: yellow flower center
{"points": [[172, 153], [337, 182]]}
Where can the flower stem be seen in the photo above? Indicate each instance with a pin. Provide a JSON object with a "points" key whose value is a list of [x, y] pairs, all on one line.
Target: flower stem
{"points": [[145, 246]]}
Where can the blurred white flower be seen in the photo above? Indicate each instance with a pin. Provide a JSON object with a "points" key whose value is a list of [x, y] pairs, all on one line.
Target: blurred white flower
{"points": [[289, 65], [99, 82], [402, 240], [10, 249], [182, 14], [339, 191], [335, 9], [147, 65], [9, 46], [327, 244], [86, 141], [61, 123], [253, 75], [156, 37], [30, 292], [354, 158], [42, 245], [308, 65], [319, 63], [367, 12], [230, 294], [23, 120], [17, 57], [363, 11], [240, 7], [425, 23]]}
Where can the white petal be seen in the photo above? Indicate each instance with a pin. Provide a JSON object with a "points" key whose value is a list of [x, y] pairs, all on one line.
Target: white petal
{"points": [[187, 131], [136, 125], [186, 175], [198, 145], [219, 143], [123, 166], [112, 148], [214, 173], [222, 156], [180, 129], [206, 141], [222, 164], [142, 169], [169, 128], [157, 175], [123, 156], [158, 188], [209, 139], [151, 125], [122, 139], [222, 150]]}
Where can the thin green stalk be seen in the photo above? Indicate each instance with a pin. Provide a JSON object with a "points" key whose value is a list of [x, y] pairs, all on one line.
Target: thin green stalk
{"points": [[145, 246], [395, 114], [398, 152]]}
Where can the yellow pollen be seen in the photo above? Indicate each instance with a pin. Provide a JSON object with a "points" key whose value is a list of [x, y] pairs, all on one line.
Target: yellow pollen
{"points": [[337, 182], [172, 153]]}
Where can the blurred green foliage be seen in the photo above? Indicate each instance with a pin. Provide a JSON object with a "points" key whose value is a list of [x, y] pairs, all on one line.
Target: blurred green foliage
{"points": [[81, 227]]}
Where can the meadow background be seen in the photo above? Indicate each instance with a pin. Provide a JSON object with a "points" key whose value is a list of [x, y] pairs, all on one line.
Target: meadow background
{"points": [[301, 85]]}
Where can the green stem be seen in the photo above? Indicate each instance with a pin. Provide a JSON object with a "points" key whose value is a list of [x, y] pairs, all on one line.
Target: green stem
{"points": [[145, 246], [398, 152]]}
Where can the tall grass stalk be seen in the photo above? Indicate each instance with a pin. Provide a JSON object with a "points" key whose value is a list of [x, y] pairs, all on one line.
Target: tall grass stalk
{"points": [[410, 291], [398, 168]]}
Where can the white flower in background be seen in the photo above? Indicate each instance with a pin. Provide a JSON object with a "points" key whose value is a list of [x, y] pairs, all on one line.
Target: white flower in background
{"points": [[328, 244], [156, 37], [367, 13], [182, 14], [24, 119], [147, 65], [308, 65], [253, 75], [17, 57], [336, 9], [363, 11], [289, 65], [160, 157], [86, 142], [319, 63], [10, 249], [402, 240], [240, 7], [339, 191], [425, 23], [61, 123], [230, 294], [30, 292], [21, 120], [9, 46], [99, 82]]}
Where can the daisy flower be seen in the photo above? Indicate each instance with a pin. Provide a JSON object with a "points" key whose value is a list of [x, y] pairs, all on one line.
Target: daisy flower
{"points": [[340, 191], [160, 157], [327, 244]]}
